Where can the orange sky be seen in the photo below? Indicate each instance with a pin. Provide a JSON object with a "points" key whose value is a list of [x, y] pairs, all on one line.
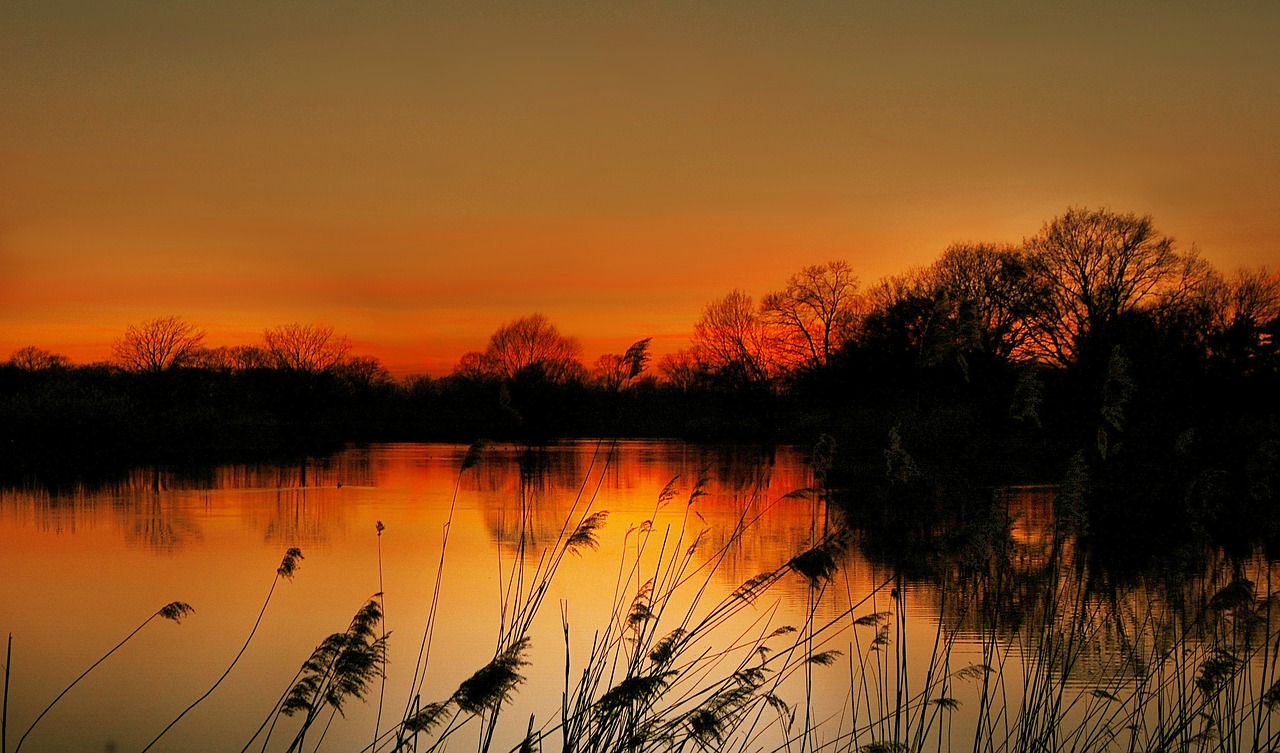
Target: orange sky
{"points": [[417, 174]]}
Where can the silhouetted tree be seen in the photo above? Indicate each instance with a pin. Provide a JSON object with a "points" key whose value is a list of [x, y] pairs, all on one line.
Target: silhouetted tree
{"points": [[1096, 266], [908, 322], [681, 369], [731, 338], [472, 367], [814, 313], [973, 303], [989, 293], [363, 372], [1255, 295], [1244, 314], [158, 344], [308, 348], [530, 343], [231, 358], [32, 358]]}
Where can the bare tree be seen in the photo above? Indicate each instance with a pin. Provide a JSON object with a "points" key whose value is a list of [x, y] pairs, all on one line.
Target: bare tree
{"points": [[1238, 317], [530, 343], [1254, 297], [731, 335], [308, 348], [1096, 266], [681, 369], [231, 358], [32, 358], [243, 357], [907, 315], [990, 294], [472, 366], [158, 344], [815, 312], [364, 372]]}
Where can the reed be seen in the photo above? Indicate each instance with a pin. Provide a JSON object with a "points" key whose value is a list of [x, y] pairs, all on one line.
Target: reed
{"points": [[174, 610], [676, 669], [340, 669], [1027, 653], [1067, 664], [288, 566]]}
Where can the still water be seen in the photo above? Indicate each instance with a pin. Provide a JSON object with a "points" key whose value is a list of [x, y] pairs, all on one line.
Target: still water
{"points": [[83, 567], [918, 661]]}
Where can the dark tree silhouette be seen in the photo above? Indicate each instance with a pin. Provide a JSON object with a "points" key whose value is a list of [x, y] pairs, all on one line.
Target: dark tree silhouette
{"points": [[681, 370], [158, 345], [611, 371], [525, 345], [231, 358], [309, 348], [1096, 266], [32, 358], [1241, 316], [908, 323], [815, 312], [989, 293], [732, 337], [363, 372]]}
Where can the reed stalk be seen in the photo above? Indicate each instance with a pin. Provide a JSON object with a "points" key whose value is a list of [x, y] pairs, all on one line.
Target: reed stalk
{"points": [[288, 566], [174, 611]]}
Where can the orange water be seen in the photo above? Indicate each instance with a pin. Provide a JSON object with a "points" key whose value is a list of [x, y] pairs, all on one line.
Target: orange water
{"points": [[83, 568]]}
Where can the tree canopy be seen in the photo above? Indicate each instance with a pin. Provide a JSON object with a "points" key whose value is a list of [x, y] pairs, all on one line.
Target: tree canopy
{"points": [[523, 346], [158, 344], [309, 348]]}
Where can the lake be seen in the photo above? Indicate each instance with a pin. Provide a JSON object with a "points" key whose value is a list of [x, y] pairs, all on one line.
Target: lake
{"points": [[1017, 643]]}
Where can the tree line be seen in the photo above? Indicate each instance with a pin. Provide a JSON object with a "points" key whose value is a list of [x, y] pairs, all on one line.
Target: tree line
{"points": [[1096, 331]]}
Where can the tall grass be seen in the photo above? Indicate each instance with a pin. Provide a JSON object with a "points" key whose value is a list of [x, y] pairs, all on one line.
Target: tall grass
{"points": [[1043, 657], [676, 663], [1028, 649]]}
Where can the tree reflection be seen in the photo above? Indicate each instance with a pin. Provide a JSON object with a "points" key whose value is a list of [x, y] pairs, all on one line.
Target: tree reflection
{"points": [[1007, 572], [160, 525], [149, 507], [527, 494], [299, 517]]}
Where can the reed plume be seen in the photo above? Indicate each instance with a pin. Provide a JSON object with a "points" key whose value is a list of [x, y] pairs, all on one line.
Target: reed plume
{"points": [[342, 667], [288, 566], [174, 610]]}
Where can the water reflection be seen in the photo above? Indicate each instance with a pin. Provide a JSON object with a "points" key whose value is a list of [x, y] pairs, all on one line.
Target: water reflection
{"points": [[530, 495], [297, 517], [160, 509], [158, 523], [1183, 651], [941, 587]]}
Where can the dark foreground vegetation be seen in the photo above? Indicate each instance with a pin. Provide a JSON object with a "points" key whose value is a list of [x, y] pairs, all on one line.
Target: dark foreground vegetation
{"points": [[1037, 636]]}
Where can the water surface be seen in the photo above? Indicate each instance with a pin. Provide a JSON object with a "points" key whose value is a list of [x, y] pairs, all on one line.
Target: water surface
{"points": [[85, 566], [1011, 636]]}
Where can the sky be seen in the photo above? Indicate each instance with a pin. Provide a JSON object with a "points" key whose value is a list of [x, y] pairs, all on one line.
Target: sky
{"points": [[415, 174]]}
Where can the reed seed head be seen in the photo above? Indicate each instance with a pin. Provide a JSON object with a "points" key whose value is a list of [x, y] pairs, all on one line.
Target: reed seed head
{"points": [[491, 685], [585, 536], [289, 565], [176, 610]]}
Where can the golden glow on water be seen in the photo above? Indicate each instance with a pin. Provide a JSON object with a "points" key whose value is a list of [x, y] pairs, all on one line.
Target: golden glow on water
{"points": [[85, 567]]}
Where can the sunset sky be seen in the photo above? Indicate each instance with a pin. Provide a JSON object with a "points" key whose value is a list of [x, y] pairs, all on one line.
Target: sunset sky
{"points": [[415, 174]]}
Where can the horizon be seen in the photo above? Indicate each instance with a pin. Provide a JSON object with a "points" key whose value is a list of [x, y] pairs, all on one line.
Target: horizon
{"points": [[416, 177]]}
